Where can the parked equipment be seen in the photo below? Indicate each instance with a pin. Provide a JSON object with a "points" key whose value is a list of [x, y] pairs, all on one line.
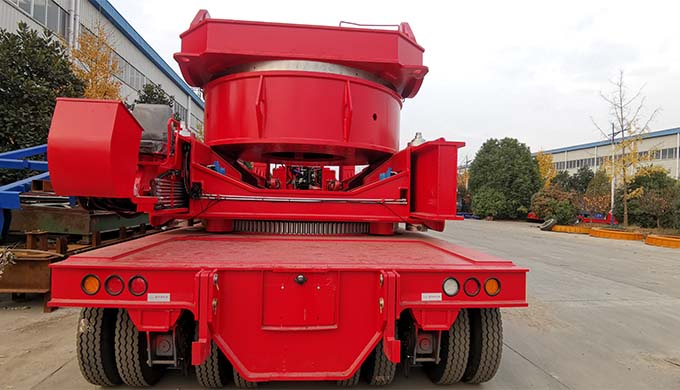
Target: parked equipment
{"points": [[298, 271]]}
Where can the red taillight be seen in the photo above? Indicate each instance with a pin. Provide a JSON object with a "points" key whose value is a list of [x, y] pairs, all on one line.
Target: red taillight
{"points": [[138, 285], [114, 285], [471, 287]]}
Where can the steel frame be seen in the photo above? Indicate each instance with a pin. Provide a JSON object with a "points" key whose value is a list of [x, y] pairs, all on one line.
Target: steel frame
{"points": [[279, 307]]}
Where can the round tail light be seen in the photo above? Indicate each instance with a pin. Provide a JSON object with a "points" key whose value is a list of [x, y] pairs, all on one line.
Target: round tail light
{"points": [[138, 285], [492, 287], [114, 285], [471, 287], [90, 284], [450, 287]]}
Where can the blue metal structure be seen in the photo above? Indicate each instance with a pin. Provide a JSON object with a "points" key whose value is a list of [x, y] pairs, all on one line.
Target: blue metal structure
{"points": [[9, 193]]}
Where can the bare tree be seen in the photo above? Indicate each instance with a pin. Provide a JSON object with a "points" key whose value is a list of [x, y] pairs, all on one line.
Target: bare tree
{"points": [[628, 125]]}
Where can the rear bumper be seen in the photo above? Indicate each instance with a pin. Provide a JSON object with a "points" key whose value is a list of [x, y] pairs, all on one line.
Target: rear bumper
{"points": [[299, 321]]}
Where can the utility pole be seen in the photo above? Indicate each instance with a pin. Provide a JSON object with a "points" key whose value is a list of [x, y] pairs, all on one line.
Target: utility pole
{"points": [[467, 163], [613, 188]]}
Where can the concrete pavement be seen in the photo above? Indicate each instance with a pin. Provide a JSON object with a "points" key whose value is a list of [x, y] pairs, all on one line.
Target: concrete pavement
{"points": [[603, 315]]}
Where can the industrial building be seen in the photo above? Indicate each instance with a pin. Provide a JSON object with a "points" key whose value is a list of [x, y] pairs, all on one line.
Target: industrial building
{"points": [[138, 62], [662, 147]]}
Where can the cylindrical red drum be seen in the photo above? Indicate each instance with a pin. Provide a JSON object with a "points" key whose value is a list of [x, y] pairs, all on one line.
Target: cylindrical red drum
{"points": [[306, 112]]}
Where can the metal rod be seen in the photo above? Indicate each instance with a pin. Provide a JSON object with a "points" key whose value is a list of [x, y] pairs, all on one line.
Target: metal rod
{"points": [[400, 201]]}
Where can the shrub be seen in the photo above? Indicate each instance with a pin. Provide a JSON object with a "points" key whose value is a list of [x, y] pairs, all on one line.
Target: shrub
{"points": [[655, 199], [564, 212], [489, 202], [553, 202], [504, 171]]}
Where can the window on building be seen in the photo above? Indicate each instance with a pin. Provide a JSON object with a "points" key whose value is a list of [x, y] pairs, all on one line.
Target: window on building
{"points": [[40, 10], [181, 111], [668, 153], [26, 6], [46, 12], [63, 22], [53, 17]]}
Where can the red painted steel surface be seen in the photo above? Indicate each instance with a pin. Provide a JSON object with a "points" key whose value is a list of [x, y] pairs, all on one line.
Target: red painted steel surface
{"points": [[279, 320], [279, 307], [301, 116], [211, 46], [92, 148], [309, 112]]}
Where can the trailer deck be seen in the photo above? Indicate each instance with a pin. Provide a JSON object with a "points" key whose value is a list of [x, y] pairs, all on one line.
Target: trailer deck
{"points": [[178, 249]]}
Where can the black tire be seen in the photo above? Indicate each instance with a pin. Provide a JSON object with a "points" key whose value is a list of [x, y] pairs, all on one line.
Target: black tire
{"points": [[242, 383], [95, 346], [378, 370], [486, 345], [351, 381], [548, 225], [131, 354], [213, 373], [454, 351]]}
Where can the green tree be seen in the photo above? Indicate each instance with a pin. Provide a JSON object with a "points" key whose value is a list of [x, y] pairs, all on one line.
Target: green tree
{"points": [[154, 94], [505, 167], [579, 181], [562, 181], [489, 202], [34, 71], [654, 201], [658, 202]]}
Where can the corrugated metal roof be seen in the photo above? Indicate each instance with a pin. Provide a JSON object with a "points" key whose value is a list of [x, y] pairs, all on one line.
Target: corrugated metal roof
{"points": [[652, 134], [113, 16]]}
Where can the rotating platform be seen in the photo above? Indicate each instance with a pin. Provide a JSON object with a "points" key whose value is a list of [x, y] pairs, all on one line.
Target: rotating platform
{"points": [[314, 95]]}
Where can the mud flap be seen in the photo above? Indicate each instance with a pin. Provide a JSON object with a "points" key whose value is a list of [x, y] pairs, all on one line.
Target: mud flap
{"points": [[391, 345], [207, 309]]}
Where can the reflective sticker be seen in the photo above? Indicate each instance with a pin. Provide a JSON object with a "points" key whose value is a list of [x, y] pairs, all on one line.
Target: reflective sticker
{"points": [[165, 297], [430, 297]]}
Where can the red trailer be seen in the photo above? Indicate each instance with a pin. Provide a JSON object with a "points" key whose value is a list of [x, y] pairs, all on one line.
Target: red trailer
{"points": [[298, 270]]}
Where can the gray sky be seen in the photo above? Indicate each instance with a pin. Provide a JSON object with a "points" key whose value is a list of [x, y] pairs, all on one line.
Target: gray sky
{"points": [[523, 69]]}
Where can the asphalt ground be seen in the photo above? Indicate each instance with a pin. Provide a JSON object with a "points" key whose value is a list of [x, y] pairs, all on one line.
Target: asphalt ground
{"points": [[603, 314]]}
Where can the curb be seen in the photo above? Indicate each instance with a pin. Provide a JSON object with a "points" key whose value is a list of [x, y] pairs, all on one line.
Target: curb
{"points": [[661, 240], [571, 229], [615, 234]]}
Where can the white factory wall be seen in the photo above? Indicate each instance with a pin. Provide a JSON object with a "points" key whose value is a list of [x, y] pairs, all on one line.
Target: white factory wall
{"points": [[136, 68], [664, 153]]}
